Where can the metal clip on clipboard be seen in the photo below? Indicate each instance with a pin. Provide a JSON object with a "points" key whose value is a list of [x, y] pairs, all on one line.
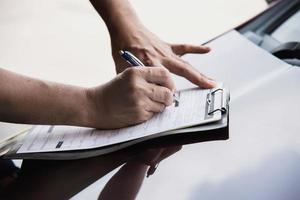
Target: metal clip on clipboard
{"points": [[211, 106]]}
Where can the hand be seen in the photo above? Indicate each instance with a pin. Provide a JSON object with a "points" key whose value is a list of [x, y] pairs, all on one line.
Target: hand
{"points": [[154, 52], [133, 97]]}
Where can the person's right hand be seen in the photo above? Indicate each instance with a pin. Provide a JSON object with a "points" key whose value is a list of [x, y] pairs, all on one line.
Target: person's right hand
{"points": [[133, 97]]}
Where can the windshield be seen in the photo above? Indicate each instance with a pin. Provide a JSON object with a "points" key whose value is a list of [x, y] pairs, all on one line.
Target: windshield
{"points": [[289, 31]]}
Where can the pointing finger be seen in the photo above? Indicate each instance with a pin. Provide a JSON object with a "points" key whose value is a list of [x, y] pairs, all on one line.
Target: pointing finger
{"points": [[181, 49], [184, 69]]}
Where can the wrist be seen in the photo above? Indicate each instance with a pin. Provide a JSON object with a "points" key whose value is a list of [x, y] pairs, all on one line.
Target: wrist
{"points": [[80, 108], [92, 115]]}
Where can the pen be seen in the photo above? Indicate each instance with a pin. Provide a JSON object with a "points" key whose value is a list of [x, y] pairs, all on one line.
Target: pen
{"points": [[130, 58], [134, 61]]}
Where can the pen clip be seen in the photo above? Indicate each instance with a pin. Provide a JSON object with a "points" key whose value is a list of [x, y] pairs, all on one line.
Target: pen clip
{"points": [[135, 59]]}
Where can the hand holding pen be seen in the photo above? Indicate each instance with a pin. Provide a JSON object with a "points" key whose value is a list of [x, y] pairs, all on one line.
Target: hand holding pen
{"points": [[134, 61]]}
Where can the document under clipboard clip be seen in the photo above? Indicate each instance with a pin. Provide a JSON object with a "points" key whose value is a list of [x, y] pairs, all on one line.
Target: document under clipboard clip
{"points": [[212, 106]]}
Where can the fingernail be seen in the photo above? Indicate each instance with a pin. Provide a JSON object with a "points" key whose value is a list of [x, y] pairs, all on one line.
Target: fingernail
{"points": [[213, 83]]}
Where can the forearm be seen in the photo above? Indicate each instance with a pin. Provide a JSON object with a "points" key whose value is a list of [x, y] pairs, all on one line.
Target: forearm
{"points": [[28, 100], [118, 16]]}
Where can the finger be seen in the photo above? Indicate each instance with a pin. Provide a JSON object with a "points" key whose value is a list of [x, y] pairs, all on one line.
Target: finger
{"points": [[168, 152], [181, 49], [155, 107], [160, 76], [184, 69], [160, 94], [150, 156]]}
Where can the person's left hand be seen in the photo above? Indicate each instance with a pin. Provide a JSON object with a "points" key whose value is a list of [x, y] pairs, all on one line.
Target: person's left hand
{"points": [[154, 52]]}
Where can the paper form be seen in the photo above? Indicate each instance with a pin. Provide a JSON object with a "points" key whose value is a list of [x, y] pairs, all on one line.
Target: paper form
{"points": [[189, 111]]}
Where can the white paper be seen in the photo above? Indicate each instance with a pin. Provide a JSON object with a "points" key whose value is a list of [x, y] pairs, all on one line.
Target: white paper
{"points": [[189, 112]]}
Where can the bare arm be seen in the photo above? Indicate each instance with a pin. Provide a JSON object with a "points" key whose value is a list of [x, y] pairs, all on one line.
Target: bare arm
{"points": [[132, 97], [29, 100]]}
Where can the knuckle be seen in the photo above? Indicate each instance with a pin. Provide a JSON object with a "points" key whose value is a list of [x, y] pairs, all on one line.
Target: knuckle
{"points": [[182, 47], [145, 54], [141, 116], [148, 61], [152, 91], [131, 78], [166, 75], [150, 71], [164, 72], [140, 50], [131, 73]]}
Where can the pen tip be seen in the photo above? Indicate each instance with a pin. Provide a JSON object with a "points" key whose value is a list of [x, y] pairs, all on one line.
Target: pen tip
{"points": [[121, 52]]}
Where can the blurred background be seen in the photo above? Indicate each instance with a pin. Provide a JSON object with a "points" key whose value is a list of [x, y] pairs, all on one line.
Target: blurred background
{"points": [[66, 40]]}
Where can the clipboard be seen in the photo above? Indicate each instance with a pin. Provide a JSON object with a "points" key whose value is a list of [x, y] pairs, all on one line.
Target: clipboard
{"points": [[212, 130]]}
